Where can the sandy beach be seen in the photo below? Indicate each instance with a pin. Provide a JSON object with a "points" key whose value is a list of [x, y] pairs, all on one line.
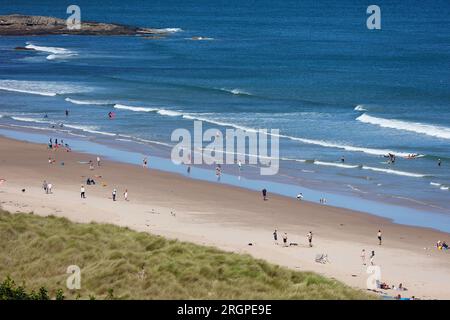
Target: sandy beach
{"points": [[227, 217]]}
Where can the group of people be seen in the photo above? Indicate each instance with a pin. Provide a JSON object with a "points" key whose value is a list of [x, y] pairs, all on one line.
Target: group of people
{"points": [[55, 144], [441, 245], [309, 237]]}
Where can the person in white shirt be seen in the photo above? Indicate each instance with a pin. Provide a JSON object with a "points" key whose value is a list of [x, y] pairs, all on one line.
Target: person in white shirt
{"points": [[49, 188], [125, 194], [83, 192], [98, 161], [309, 236], [363, 257]]}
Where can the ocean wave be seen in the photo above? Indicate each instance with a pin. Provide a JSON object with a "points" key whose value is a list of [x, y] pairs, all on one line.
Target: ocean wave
{"points": [[356, 189], [360, 107], [43, 88], [193, 116], [59, 56], [163, 112], [56, 53], [236, 91], [168, 30], [334, 164], [427, 129], [54, 50], [88, 102], [396, 172], [200, 38], [128, 138], [435, 184], [135, 109], [90, 129], [25, 119], [169, 113]]}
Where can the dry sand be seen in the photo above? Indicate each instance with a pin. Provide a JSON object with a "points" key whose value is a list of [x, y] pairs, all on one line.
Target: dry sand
{"points": [[223, 216]]}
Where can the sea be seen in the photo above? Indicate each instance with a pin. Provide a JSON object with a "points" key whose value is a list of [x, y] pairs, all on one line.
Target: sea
{"points": [[342, 96]]}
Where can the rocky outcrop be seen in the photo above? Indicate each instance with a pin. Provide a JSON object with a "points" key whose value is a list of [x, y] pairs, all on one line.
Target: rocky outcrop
{"points": [[21, 25]]}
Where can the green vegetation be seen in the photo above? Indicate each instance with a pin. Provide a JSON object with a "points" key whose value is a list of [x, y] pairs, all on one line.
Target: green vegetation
{"points": [[117, 263]]}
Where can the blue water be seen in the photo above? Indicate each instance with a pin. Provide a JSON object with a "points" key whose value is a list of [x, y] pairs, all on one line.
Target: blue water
{"points": [[298, 66]]}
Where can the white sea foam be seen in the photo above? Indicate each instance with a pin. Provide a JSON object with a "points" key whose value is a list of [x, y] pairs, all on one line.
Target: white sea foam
{"points": [[168, 30], [136, 109], [356, 189], [56, 53], [200, 38], [43, 88], [169, 113], [360, 107], [87, 102], [53, 50], [334, 164], [435, 184], [59, 56], [396, 172], [445, 188], [427, 129], [90, 129], [327, 144], [236, 91], [193, 116], [25, 119]]}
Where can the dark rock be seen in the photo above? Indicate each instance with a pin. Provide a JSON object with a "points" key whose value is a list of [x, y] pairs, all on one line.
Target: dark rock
{"points": [[22, 25]]}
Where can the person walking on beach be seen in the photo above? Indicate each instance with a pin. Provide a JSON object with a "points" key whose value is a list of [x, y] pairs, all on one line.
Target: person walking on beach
{"points": [[363, 256], [83, 192], [264, 194], [98, 161], [125, 195], [144, 162], [285, 239], [45, 186], [275, 237], [372, 256], [379, 237], [114, 193], [240, 165], [309, 236], [49, 188]]}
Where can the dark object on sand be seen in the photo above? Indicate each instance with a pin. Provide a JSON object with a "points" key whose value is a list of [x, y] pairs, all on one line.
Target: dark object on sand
{"points": [[23, 190]]}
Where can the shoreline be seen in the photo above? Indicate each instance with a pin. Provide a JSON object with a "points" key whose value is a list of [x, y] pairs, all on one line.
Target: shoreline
{"points": [[403, 213], [224, 216]]}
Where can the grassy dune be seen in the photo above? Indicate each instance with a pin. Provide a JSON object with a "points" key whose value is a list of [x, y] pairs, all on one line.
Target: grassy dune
{"points": [[117, 262]]}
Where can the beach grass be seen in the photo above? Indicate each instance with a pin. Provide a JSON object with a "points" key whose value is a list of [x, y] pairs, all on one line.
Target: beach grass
{"points": [[118, 263]]}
